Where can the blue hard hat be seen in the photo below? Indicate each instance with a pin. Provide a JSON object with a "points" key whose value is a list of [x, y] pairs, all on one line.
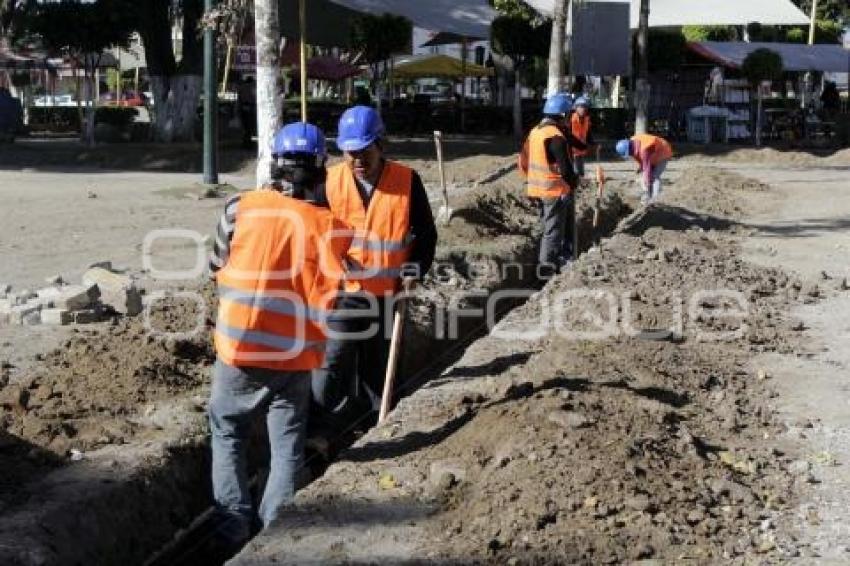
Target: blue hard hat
{"points": [[558, 104], [624, 148], [299, 138], [582, 101], [359, 127]]}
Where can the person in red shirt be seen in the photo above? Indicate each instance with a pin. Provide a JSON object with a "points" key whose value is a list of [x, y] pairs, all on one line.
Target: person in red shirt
{"points": [[581, 128], [652, 154]]}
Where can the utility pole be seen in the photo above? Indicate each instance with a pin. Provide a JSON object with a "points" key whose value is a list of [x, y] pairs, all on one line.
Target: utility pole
{"points": [[813, 23], [807, 78], [210, 103], [642, 83]]}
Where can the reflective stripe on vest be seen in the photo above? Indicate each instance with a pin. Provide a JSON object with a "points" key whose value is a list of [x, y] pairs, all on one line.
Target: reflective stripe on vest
{"points": [[382, 236], [544, 179], [580, 127], [277, 286]]}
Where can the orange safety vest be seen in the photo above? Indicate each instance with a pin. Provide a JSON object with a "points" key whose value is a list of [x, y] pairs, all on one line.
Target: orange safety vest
{"points": [[544, 178], [278, 284], [382, 238], [580, 128], [659, 148]]}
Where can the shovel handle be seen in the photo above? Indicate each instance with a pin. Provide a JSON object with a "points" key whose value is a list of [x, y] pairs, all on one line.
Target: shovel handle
{"points": [[438, 142], [392, 361]]}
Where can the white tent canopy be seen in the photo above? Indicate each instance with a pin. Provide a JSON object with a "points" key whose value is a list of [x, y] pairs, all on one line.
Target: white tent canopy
{"points": [[470, 18], [675, 13]]}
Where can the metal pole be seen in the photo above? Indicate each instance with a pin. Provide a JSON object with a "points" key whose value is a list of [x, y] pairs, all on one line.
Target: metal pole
{"points": [[210, 104], [302, 16], [813, 23]]}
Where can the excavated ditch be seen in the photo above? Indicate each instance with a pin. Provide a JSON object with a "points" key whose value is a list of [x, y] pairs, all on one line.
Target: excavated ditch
{"points": [[654, 442], [105, 453]]}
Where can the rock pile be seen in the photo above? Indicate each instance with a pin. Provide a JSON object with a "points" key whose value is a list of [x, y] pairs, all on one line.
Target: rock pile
{"points": [[102, 292]]}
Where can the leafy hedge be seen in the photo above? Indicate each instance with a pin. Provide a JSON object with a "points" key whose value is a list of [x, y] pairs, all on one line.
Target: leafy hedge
{"points": [[67, 118]]}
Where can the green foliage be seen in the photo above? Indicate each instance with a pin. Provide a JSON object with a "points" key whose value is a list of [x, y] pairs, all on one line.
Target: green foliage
{"points": [[80, 28], [762, 65], [519, 39], [119, 117], [665, 50], [709, 33], [380, 37], [770, 34], [514, 8], [825, 32], [837, 11]]}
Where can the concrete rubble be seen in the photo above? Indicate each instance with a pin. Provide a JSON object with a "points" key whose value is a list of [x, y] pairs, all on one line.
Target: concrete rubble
{"points": [[101, 292]]}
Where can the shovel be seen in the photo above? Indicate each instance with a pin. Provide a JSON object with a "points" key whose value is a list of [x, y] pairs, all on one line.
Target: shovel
{"points": [[444, 215], [392, 361], [600, 187]]}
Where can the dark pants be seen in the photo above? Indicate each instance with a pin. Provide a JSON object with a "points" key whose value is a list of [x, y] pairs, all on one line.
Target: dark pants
{"points": [[556, 244], [348, 387]]}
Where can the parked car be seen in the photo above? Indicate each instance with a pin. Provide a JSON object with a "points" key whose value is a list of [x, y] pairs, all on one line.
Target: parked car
{"points": [[128, 98], [48, 100]]}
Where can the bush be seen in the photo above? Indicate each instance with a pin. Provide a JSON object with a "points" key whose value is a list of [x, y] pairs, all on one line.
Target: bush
{"points": [[119, 117], [709, 33], [67, 118]]}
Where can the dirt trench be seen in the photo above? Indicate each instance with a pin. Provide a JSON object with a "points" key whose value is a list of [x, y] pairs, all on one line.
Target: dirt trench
{"points": [[655, 441], [104, 451]]}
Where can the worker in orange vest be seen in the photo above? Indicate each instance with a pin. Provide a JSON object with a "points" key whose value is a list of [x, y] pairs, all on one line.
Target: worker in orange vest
{"points": [[545, 160], [277, 274], [395, 238], [580, 128], [652, 154]]}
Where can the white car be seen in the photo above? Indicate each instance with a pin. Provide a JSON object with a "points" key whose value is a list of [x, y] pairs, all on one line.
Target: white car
{"points": [[58, 100]]}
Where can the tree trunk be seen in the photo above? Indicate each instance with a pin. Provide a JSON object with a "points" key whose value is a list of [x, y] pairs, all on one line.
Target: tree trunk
{"points": [[758, 116], [176, 90], [556, 48], [88, 129], [517, 106], [642, 85], [269, 85], [175, 106]]}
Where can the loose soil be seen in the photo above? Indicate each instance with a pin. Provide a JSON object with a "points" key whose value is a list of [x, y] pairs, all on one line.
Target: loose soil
{"points": [[653, 443], [674, 437]]}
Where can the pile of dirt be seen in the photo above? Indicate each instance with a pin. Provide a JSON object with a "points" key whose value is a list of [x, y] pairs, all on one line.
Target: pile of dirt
{"points": [[712, 190], [654, 441], [784, 157], [86, 393], [627, 448]]}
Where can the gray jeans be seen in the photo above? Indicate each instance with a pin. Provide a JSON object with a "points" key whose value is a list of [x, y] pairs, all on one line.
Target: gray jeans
{"points": [[651, 194], [238, 397], [556, 244]]}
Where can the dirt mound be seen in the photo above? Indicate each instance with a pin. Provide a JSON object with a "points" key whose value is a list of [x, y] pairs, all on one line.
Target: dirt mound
{"points": [[783, 157], [669, 218], [570, 448], [669, 436], [86, 393], [712, 191]]}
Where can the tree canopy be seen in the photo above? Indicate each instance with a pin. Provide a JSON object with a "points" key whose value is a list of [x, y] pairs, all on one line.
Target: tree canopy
{"points": [[381, 37], [520, 39], [762, 65]]}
